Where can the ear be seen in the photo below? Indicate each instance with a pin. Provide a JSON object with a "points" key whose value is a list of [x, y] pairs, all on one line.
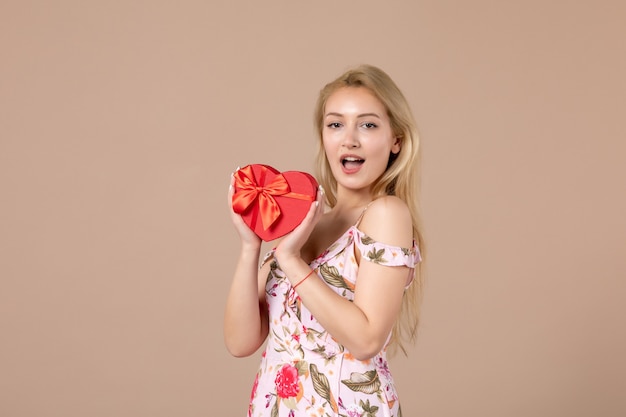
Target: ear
{"points": [[397, 145]]}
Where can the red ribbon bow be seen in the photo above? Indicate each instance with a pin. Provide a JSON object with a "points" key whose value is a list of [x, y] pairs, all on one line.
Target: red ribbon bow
{"points": [[248, 191]]}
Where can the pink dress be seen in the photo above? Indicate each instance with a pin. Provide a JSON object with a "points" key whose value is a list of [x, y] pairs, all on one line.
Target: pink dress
{"points": [[303, 370]]}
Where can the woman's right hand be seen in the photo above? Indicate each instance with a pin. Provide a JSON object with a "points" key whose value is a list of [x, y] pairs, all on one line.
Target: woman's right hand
{"points": [[246, 234], [292, 243]]}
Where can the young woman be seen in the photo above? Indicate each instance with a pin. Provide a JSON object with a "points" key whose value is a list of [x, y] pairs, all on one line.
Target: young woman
{"points": [[344, 286]]}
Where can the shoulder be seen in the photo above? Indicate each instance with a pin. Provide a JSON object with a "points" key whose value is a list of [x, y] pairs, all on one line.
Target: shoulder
{"points": [[390, 207], [388, 220]]}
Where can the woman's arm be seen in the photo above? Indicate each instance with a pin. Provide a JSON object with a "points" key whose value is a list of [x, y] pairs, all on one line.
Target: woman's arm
{"points": [[363, 325], [246, 315]]}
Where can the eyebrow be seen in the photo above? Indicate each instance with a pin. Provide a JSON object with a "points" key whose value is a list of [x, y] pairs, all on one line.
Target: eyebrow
{"points": [[358, 116]]}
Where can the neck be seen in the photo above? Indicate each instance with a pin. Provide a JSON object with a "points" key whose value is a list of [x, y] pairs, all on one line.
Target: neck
{"points": [[348, 201]]}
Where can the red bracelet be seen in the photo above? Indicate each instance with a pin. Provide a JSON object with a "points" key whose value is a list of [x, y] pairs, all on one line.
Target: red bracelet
{"points": [[304, 279]]}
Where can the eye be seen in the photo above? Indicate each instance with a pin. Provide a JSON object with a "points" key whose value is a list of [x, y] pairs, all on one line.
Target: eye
{"points": [[370, 125], [334, 125]]}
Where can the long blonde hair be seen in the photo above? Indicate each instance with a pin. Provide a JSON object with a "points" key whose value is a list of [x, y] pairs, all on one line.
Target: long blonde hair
{"points": [[400, 179]]}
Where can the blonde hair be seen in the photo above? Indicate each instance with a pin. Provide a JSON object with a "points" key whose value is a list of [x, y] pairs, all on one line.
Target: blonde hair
{"points": [[400, 179]]}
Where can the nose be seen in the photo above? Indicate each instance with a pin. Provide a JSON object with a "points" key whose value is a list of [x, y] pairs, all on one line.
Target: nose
{"points": [[351, 138]]}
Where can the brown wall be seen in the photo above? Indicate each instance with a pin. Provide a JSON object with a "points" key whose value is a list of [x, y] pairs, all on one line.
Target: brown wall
{"points": [[120, 122]]}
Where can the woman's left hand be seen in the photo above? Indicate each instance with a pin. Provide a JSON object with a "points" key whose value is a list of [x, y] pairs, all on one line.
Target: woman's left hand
{"points": [[291, 244]]}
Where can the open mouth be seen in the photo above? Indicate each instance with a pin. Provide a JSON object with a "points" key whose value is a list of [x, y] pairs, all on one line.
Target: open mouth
{"points": [[352, 162]]}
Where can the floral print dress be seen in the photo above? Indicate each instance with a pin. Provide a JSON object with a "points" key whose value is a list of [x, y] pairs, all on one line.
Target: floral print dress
{"points": [[303, 370]]}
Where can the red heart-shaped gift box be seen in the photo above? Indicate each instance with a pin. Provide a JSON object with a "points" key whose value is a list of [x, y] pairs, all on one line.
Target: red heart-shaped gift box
{"points": [[270, 202]]}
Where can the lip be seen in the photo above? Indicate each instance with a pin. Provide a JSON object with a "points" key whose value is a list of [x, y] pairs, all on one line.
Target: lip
{"points": [[350, 155], [350, 170]]}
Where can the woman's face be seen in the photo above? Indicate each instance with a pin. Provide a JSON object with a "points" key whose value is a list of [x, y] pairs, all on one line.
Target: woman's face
{"points": [[357, 137]]}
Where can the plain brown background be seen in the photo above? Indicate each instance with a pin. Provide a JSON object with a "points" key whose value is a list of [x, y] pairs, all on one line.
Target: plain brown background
{"points": [[120, 122]]}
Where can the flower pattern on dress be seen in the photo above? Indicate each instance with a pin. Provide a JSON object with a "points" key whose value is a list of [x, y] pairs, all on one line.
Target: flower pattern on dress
{"points": [[287, 381], [303, 370]]}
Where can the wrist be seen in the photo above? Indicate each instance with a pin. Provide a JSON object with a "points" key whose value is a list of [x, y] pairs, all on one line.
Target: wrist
{"points": [[303, 279], [286, 259], [250, 248]]}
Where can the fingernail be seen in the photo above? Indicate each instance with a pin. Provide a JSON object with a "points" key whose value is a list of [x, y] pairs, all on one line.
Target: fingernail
{"points": [[317, 203]]}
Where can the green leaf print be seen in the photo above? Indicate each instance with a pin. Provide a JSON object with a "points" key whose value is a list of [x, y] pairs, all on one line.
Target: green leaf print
{"points": [[366, 240], [320, 350], [290, 403], [367, 383], [331, 275], [320, 382], [301, 366], [368, 410], [312, 334], [298, 310], [274, 412], [406, 251], [321, 386], [376, 256]]}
